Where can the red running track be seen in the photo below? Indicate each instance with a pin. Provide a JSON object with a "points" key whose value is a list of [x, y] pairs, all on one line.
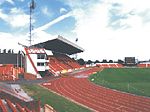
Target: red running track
{"points": [[98, 98]]}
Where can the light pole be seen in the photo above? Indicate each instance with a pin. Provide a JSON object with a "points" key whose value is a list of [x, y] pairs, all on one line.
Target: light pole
{"points": [[32, 7]]}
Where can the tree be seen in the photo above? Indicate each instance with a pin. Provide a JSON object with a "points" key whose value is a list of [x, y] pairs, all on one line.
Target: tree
{"points": [[97, 61], [104, 61], [89, 62], [81, 61], [110, 61], [120, 61]]}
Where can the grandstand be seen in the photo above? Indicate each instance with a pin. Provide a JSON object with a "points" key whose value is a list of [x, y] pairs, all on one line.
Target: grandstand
{"points": [[144, 65], [10, 72], [34, 62], [6, 106], [11, 64], [13, 98], [60, 45], [62, 63], [58, 61], [109, 65]]}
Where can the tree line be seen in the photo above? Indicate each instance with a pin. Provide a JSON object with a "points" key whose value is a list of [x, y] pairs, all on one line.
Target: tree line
{"points": [[83, 62]]}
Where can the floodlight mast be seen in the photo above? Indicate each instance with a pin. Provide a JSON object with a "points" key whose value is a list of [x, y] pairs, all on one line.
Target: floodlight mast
{"points": [[76, 55], [32, 7]]}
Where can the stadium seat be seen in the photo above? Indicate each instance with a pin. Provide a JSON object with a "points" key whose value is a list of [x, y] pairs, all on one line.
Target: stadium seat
{"points": [[61, 62], [2, 106], [11, 106]]}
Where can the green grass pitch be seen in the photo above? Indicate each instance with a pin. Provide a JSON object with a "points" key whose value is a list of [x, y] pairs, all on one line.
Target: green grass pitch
{"points": [[131, 80]]}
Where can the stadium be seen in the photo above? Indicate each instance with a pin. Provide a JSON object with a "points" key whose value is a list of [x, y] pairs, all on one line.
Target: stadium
{"points": [[66, 78], [44, 77]]}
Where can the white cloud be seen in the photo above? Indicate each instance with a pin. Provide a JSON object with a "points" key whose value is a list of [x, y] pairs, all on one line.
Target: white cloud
{"points": [[2, 15], [15, 11], [44, 27], [42, 36], [20, 20], [10, 41], [11, 2], [63, 10], [5, 35], [46, 11], [102, 41], [16, 18], [130, 5]]}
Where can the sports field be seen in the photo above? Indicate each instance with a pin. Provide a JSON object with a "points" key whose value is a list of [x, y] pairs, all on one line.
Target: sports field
{"points": [[131, 80]]}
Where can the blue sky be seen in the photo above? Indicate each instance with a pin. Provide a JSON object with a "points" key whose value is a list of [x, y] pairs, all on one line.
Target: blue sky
{"points": [[44, 12], [106, 29]]}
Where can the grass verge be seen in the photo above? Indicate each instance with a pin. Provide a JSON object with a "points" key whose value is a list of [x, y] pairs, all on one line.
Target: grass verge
{"points": [[60, 104]]}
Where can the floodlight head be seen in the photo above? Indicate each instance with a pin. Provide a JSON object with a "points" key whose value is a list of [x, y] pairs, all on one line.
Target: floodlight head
{"points": [[32, 5]]}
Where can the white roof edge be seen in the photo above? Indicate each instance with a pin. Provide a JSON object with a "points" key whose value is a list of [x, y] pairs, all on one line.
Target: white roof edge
{"points": [[69, 42]]}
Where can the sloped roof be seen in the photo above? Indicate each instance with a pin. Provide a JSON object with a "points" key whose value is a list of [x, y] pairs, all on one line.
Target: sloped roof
{"points": [[60, 45]]}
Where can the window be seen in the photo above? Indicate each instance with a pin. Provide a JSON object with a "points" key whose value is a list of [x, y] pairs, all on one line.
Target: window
{"points": [[40, 64], [40, 56]]}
